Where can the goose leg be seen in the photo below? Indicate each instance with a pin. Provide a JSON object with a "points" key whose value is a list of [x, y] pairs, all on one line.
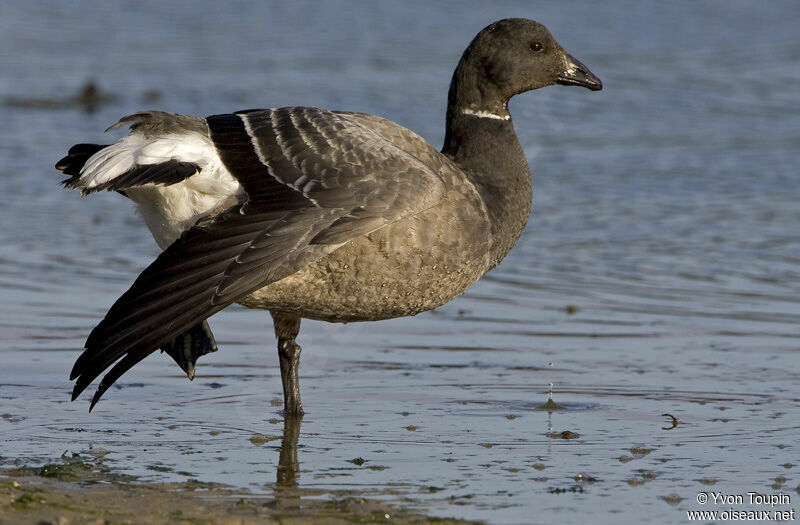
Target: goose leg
{"points": [[286, 329]]}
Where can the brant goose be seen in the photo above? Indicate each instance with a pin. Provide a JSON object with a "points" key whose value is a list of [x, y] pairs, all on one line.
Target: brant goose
{"points": [[312, 213]]}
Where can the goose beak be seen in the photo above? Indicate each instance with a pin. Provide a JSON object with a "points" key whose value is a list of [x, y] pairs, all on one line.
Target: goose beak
{"points": [[576, 74]]}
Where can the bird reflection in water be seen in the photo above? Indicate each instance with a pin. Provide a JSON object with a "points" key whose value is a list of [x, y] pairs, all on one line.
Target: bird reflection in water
{"points": [[286, 494]]}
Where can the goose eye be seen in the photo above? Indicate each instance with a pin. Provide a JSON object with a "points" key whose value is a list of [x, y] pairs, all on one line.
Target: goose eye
{"points": [[536, 46]]}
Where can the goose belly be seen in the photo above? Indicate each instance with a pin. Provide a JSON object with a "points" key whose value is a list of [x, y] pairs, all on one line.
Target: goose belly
{"points": [[414, 265]]}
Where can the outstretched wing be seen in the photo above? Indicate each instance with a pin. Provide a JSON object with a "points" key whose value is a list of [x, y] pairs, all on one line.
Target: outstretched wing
{"points": [[314, 179]]}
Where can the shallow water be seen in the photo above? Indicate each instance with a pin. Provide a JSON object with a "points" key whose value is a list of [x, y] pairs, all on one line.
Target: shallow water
{"points": [[660, 272]]}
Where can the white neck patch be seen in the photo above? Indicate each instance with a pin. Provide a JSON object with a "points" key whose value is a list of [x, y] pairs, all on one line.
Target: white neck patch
{"points": [[484, 114]]}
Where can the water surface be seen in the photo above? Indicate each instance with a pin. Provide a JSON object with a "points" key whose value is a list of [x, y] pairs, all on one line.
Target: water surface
{"points": [[659, 274]]}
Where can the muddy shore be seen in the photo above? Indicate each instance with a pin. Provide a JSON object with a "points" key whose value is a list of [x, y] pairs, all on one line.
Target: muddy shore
{"points": [[76, 491]]}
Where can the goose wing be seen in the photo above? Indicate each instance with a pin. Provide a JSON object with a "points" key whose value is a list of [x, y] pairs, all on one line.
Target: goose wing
{"points": [[313, 180]]}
